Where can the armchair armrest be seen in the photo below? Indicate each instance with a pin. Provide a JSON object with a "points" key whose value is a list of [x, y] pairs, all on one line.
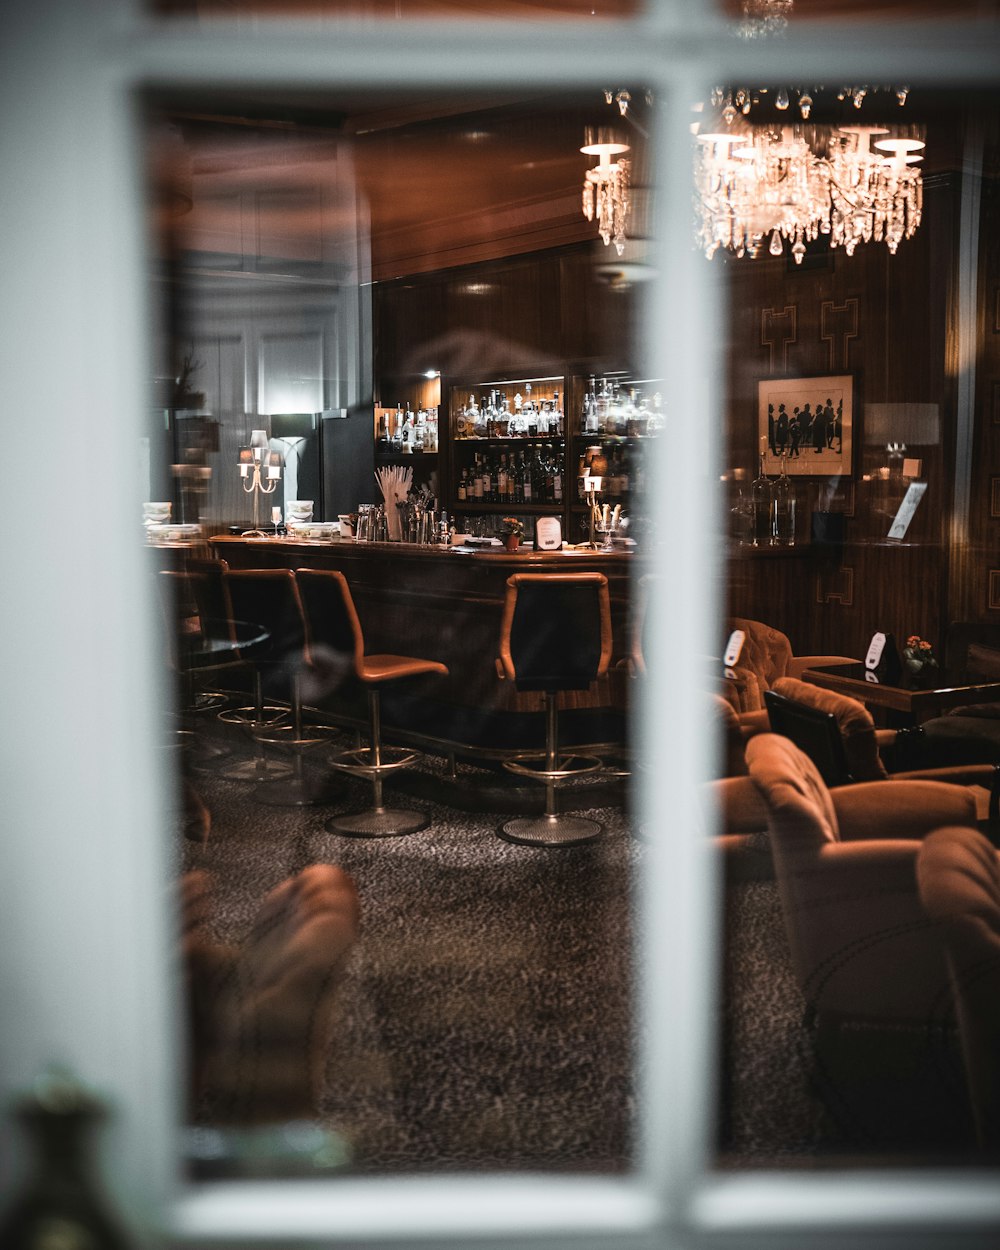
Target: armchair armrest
{"points": [[865, 948], [739, 805], [904, 809]]}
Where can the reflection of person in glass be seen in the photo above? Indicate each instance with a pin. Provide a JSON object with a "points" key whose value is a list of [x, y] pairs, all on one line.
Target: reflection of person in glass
{"points": [[794, 434], [819, 429], [837, 427], [781, 431]]}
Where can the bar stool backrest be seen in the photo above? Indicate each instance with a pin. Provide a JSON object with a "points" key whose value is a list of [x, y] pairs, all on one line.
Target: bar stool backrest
{"points": [[556, 630], [330, 615], [268, 598], [206, 579]]}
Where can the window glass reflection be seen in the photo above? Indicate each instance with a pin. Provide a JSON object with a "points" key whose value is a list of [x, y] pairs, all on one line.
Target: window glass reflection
{"points": [[860, 628], [390, 10], [398, 366]]}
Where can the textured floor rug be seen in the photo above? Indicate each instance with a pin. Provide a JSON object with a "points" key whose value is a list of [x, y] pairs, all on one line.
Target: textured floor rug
{"points": [[486, 1019]]}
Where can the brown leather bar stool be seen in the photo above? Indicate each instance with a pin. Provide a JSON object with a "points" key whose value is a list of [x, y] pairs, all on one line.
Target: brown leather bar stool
{"points": [[555, 636], [333, 628]]}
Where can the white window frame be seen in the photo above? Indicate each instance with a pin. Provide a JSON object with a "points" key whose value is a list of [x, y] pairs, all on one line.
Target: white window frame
{"points": [[85, 904]]}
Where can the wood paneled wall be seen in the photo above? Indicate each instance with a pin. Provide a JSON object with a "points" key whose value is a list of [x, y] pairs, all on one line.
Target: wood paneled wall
{"points": [[888, 321]]}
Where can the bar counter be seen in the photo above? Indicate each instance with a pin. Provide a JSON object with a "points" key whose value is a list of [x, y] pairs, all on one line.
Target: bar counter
{"points": [[445, 603]]}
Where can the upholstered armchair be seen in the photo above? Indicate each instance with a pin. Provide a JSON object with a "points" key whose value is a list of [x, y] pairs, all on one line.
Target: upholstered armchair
{"points": [[959, 878], [868, 960], [262, 1015], [839, 735], [845, 862], [766, 656]]}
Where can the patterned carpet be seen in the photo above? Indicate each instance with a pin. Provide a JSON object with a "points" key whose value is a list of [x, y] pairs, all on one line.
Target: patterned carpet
{"points": [[486, 1014]]}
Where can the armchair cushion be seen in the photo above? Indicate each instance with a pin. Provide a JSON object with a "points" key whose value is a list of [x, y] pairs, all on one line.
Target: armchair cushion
{"points": [[900, 809]]}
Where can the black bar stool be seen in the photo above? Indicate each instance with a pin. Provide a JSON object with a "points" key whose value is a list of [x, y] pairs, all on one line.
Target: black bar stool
{"points": [[267, 598], [555, 636], [332, 626]]}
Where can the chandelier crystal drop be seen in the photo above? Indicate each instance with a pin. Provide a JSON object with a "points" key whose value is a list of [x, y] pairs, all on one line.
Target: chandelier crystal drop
{"points": [[790, 185], [606, 187]]}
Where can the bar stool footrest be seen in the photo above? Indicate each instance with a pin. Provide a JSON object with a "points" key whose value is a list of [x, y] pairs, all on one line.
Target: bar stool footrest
{"points": [[248, 716], [283, 736], [533, 765], [357, 761]]}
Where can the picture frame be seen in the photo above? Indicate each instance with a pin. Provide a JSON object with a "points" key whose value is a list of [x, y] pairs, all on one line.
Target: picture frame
{"points": [[812, 450]]}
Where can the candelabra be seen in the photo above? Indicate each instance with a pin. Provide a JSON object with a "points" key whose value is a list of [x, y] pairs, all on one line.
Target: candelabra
{"points": [[260, 469]]}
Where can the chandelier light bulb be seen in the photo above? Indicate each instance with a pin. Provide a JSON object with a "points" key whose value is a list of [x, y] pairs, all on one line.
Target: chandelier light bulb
{"points": [[805, 105], [781, 99]]}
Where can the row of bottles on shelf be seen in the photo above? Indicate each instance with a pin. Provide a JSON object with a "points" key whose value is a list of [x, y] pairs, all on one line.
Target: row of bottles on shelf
{"points": [[402, 430], [609, 407], [766, 517], [533, 477], [619, 471], [496, 415]]}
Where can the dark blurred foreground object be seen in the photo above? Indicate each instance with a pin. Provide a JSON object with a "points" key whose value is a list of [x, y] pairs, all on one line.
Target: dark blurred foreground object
{"points": [[959, 876], [61, 1205], [262, 1015]]}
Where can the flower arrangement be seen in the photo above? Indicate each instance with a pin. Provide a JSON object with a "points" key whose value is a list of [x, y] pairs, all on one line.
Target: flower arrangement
{"points": [[918, 654], [512, 527]]}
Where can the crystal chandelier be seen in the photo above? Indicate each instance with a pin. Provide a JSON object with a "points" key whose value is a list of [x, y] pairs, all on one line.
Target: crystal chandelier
{"points": [[797, 183], [605, 187], [765, 18]]}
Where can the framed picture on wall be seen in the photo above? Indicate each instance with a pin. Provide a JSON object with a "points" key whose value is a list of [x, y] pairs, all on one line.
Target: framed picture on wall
{"points": [[810, 422]]}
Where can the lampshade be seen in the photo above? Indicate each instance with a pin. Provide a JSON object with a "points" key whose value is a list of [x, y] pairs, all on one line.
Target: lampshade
{"points": [[911, 424]]}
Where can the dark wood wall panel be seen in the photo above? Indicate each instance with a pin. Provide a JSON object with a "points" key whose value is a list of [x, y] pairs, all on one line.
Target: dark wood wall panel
{"points": [[889, 321]]}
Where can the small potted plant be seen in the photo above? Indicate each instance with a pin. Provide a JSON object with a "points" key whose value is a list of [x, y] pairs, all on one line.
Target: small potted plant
{"points": [[918, 654], [513, 532]]}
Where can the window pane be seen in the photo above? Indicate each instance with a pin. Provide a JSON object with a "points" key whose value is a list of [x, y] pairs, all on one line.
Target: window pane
{"points": [[405, 299], [390, 10], [861, 409], [768, 13]]}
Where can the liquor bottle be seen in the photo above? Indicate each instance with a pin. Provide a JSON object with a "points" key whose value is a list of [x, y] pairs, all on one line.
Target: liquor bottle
{"points": [[783, 510], [502, 480], [761, 507], [463, 486], [477, 480], [527, 479], [558, 420], [588, 421]]}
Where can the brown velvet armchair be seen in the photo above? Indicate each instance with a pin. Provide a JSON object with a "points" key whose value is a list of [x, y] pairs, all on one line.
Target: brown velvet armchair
{"points": [[868, 960], [856, 750], [766, 657], [959, 878], [261, 1017], [845, 862]]}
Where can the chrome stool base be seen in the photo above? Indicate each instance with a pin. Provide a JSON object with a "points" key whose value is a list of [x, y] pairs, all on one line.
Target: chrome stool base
{"points": [[299, 792], [260, 768], [554, 830], [378, 822]]}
